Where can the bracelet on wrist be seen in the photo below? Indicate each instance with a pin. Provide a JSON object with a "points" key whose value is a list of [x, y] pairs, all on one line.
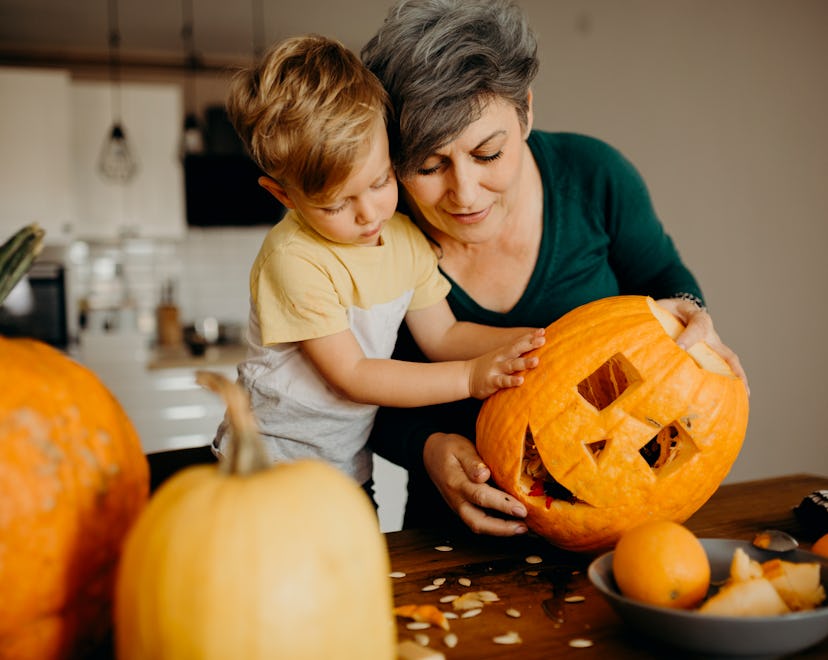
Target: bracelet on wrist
{"points": [[689, 297]]}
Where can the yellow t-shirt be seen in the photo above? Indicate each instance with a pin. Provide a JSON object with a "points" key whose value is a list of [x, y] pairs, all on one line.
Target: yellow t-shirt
{"points": [[303, 286]]}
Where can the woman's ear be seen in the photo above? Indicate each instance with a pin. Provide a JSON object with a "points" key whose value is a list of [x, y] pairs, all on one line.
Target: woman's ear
{"points": [[530, 114], [277, 190]]}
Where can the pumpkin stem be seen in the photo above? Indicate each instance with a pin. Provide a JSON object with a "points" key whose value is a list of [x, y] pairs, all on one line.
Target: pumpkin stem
{"points": [[17, 254], [246, 453]]}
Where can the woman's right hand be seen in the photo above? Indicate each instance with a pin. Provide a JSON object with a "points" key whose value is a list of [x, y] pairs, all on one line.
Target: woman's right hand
{"points": [[460, 475]]}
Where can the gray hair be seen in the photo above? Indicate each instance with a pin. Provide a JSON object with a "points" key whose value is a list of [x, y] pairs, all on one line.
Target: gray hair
{"points": [[441, 61]]}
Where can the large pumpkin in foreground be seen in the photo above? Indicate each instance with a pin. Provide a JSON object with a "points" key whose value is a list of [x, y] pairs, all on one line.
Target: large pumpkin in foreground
{"points": [[73, 478], [618, 425], [255, 561]]}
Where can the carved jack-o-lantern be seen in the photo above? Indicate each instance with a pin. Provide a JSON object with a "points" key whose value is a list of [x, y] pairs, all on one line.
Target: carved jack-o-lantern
{"points": [[617, 425]]}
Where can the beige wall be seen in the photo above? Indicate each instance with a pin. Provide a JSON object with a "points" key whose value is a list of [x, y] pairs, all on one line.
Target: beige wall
{"points": [[722, 105]]}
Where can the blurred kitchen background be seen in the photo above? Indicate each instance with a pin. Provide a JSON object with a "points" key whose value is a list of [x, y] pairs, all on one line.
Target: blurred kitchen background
{"points": [[721, 105]]}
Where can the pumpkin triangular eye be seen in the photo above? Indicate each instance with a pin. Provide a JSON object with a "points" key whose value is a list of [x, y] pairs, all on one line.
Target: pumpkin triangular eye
{"points": [[608, 382]]}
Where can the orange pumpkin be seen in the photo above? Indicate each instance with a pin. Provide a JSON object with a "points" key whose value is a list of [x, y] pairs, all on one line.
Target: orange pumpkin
{"points": [[616, 427], [73, 477]]}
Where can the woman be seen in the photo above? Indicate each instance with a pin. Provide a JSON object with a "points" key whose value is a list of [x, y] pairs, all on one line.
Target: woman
{"points": [[527, 225]]}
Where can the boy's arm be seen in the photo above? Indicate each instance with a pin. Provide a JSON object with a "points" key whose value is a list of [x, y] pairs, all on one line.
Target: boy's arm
{"points": [[441, 337], [385, 382]]}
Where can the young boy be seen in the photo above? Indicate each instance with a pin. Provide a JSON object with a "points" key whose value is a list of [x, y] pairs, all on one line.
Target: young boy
{"points": [[335, 278]]}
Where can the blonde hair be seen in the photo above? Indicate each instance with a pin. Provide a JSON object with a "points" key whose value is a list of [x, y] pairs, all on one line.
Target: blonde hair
{"points": [[306, 112]]}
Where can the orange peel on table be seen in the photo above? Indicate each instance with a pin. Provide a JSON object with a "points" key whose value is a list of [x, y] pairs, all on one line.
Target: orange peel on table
{"points": [[423, 613]]}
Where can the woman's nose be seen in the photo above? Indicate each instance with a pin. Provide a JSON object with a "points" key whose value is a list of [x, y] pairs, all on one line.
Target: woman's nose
{"points": [[463, 187]]}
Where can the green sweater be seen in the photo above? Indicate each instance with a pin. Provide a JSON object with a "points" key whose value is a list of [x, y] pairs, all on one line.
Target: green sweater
{"points": [[601, 238]]}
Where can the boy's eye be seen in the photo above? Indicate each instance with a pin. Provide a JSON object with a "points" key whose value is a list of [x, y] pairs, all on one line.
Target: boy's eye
{"points": [[388, 178], [333, 210]]}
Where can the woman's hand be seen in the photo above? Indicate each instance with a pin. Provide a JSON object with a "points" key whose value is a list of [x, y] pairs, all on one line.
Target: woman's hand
{"points": [[460, 475], [699, 327]]}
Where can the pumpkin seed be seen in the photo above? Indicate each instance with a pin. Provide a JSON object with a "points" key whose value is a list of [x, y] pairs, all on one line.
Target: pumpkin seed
{"points": [[534, 559], [439, 581], [450, 640], [431, 587], [574, 599], [464, 582], [422, 639], [443, 548], [396, 574], [450, 615], [580, 643], [466, 603], [487, 596], [512, 612], [468, 614], [417, 625], [449, 598], [510, 637]]}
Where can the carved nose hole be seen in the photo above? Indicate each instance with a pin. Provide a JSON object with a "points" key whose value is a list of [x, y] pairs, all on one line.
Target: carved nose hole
{"points": [[595, 448]]}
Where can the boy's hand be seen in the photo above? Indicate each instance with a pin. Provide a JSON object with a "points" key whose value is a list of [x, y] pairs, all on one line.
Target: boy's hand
{"points": [[500, 368]]}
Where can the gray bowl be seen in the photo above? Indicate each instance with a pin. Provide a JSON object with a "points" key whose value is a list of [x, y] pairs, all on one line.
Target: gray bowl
{"points": [[764, 636]]}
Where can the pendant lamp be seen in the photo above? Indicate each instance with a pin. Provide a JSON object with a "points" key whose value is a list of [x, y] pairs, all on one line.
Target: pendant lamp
{"points": [[117, 161], [192, 137]]}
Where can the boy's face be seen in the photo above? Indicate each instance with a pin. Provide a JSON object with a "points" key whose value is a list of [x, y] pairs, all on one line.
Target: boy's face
{"points": [[367, 199]]}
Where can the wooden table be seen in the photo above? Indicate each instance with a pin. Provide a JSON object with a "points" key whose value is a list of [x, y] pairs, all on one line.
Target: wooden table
{"points": [[736, 511]]}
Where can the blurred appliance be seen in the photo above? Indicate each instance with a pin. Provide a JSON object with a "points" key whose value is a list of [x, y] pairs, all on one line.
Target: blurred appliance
{"points": [[222, 183], [46, 317]]}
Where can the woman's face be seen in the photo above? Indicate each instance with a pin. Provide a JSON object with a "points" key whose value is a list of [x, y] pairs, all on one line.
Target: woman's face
{"points": [[467, 188]]}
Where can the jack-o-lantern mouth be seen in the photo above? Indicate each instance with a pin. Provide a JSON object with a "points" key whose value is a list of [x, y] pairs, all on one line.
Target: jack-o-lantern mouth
{"points": [[661, 451], [672, 443]]}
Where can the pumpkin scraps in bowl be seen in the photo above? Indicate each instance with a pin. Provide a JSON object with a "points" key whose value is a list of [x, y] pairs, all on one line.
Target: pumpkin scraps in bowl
{"points": [[768, 588]]}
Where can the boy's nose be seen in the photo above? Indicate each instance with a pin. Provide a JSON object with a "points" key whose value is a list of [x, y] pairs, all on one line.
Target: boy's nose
{"points": [[365, 213]]}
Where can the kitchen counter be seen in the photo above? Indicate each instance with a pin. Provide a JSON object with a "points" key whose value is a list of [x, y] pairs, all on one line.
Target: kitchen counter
{"points": [[174, 357]]}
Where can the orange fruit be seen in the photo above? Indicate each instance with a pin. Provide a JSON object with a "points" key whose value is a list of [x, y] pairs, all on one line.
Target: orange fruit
{"points": [[820, 546], [661, 563]]}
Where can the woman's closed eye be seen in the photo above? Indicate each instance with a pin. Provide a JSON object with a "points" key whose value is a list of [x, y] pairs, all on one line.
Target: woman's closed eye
{"points": [[480, 158], [488, 158]]}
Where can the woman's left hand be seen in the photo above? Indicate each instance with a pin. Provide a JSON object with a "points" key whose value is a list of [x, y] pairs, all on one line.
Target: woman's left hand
{"points": [[699, 327]]}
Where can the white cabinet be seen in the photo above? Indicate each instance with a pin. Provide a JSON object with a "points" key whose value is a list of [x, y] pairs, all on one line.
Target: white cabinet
{"points": [[151, 204], [36, 182], [168, 408]]}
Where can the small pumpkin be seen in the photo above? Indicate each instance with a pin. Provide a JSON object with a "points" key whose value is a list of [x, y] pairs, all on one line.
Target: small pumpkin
{"points": [[73, 477], [253, 560], [617, 426]]}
